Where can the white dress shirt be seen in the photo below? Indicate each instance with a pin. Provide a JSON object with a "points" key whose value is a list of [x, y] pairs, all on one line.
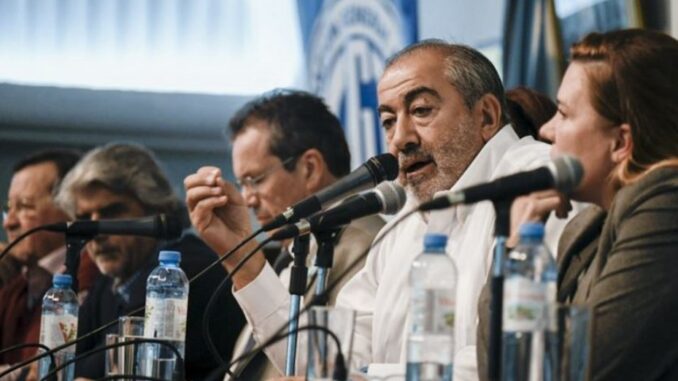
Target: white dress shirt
{"points": [[379, 293]]}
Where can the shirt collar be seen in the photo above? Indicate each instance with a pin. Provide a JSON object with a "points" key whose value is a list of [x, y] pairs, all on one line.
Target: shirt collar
{"points": [[483, 166], [124, 289], [53, 261]]}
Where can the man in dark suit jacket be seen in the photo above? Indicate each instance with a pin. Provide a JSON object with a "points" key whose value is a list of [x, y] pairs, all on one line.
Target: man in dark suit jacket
{"points": [[125, 181]]}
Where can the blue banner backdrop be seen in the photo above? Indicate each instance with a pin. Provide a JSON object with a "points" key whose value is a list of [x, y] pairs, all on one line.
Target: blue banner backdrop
{"points": [[346, 43]]}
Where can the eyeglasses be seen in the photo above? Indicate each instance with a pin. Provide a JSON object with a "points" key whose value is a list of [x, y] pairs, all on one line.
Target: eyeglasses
{"points": [[252, 183]]}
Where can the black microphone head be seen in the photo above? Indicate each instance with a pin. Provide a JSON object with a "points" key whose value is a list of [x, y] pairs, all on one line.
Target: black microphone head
{"points": [[567, 173], [382, 167], [169, 226], [392, 197]]}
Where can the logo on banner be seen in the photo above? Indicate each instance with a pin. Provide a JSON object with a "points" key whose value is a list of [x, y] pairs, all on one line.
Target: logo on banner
{"points": [[349, 44]]}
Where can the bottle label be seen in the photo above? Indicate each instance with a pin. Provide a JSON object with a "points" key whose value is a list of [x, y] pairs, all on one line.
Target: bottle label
{"points": [[56, 330], [444, 312], [432, 310], [417, 310], [166, 318], [524, 303]]}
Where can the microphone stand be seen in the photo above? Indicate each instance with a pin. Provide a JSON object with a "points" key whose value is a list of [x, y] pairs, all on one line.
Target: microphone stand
{"points": [[502, 229], [74, 245], [298, 279], [324, 260]]}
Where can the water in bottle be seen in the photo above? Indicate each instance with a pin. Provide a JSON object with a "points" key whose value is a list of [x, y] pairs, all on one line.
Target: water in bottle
{"points": [[430, 342], [59, 325], [166, 312], [530, 281]]}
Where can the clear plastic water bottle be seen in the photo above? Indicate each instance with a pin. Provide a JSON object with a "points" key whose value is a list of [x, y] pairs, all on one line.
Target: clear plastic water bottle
{"points": [[530, 286], [59, 325], [166, 312], [430, 342]]}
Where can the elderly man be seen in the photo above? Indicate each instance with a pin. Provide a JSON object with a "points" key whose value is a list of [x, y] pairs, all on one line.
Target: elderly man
{"points": [[287, 145], [125, 181], [31, 263], [443, 110]]}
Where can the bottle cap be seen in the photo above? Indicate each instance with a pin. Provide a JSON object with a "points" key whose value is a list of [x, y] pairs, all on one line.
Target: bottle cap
{"points": [[62, 280], [533, 230], [169, 256], [435, 241]]}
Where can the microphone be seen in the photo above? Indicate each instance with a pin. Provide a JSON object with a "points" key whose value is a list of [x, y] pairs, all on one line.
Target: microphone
{"points": [[387, 198], [160, 226], [375, 170], [563, 174]]}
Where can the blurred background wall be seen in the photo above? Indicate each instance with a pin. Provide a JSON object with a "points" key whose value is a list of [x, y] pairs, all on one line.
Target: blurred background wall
{"points": [[169, 74]]}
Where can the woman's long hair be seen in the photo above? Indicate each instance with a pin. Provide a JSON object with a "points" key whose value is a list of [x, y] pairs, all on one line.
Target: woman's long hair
{"points": [[633, 76]]}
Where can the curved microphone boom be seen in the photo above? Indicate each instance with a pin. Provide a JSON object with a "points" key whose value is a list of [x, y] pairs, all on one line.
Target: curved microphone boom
{"points": [[563, 174], [159, 226], [375, 170], [387, 198]]}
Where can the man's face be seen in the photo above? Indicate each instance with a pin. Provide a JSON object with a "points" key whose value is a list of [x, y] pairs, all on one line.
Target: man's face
{"points": [[116, 256], [427, 123], [267, 187], [30, 204]]}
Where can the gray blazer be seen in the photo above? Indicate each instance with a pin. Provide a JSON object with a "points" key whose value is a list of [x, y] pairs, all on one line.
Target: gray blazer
{"points": [[622, 264]]}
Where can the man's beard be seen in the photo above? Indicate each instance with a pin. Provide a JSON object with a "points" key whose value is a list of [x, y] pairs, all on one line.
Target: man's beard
{"points": [[451, 159], [424, 189]]}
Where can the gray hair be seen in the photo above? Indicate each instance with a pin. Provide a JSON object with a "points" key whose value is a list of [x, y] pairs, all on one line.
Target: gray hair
{"points": [[470, 72], [121, 168]]}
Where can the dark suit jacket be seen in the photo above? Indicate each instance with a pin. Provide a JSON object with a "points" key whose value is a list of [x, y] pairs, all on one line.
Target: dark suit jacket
{"points": [[9, 268], [103, 306], [623, 265]]}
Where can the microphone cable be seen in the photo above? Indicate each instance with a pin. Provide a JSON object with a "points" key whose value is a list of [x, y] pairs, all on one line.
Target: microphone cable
{"points": [[246, 357], [128, 377], [340, 370], [52, 364], [220, 289], [18, 239], [210, 304], [28, 345], [113, 322], [179, 369], [227, 255], [219, 260]]}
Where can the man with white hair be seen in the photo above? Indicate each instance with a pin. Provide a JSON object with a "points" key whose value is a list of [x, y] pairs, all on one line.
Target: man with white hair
{"points": [[125, 181]]}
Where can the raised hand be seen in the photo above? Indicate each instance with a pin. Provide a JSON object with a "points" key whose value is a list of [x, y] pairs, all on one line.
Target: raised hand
{"points": [[219, 214], [536, 207]]}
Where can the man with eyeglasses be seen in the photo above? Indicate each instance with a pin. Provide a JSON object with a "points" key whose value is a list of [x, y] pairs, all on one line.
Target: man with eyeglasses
{"points": [[28, 268], [286, 145]]}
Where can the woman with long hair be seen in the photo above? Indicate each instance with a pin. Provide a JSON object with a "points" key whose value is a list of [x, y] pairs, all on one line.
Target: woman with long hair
{"points": [[618, 114]]}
